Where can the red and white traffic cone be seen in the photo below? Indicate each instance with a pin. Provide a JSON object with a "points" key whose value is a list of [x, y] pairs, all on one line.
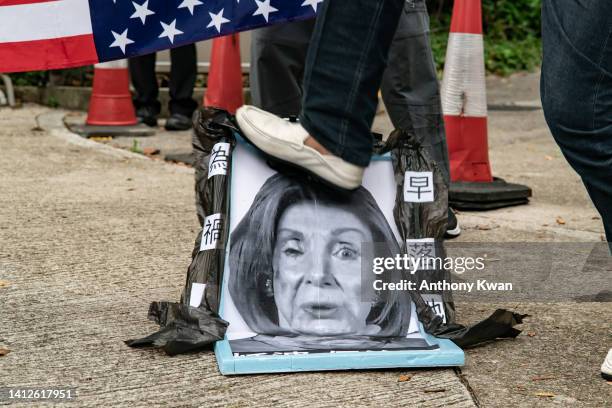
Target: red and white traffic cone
{"points": [[464, 103], [111, 112], [464, 95], [224, 88]]}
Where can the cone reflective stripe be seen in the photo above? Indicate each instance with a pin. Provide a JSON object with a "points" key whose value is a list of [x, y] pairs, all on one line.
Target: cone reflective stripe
{"points": [[225, 77], [111, 101], [464, 97]]}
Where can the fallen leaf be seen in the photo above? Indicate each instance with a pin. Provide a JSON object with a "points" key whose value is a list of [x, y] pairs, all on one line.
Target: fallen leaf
{"points": [[560, 221], [4, 351], [4, 284], [594, 218], [543, 378], [435, 390], [545, 225], [150, 151], [484, 227], [101, 138], [544, 394], [531, 334], [404, 378]]}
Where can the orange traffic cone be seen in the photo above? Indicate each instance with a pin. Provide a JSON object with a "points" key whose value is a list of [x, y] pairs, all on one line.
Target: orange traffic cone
{"points": [[464, 103], [111, 112], [464, 95], [111, 101], [225, 77]]}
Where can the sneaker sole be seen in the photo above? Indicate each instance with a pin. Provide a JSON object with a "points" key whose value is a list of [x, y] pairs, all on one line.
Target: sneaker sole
{"points": [[293, 169], [453, 233], [284, 165]]}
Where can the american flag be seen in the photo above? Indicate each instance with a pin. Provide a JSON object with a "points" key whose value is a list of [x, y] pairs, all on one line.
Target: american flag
{"points": [[53, 34]]}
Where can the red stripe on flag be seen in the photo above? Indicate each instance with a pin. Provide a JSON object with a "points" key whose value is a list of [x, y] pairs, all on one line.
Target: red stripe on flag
{"points": [[20, 2], [55, 53]]}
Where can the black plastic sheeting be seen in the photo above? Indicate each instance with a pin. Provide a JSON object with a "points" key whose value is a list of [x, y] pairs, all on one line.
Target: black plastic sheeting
{"points": [[186, 329]]}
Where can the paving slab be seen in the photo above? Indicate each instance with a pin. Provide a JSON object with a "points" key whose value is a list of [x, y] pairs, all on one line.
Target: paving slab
{"points": [[90, 235], [91, 232]]}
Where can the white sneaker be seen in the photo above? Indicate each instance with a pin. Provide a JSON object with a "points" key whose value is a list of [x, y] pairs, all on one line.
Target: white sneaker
{"points": [[284, 141], [606, 367]]}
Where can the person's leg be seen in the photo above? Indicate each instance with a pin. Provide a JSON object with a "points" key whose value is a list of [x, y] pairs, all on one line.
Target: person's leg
{"points": [[278, 55], [346, 60], [411, 92], [344, 67], [142, 72], [410, 87], [576, 88], [182, 81]]}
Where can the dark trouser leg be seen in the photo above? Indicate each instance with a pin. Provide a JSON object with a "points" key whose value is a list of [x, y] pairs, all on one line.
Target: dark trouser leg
{"points": [[142, 72], [576, 89], [182, 80], [410, 85], [344, 68], [278, 55]]}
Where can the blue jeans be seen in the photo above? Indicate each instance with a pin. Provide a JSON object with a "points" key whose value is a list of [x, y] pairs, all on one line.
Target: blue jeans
{"points": [[409, 85], [576, 88], [346, 59]]}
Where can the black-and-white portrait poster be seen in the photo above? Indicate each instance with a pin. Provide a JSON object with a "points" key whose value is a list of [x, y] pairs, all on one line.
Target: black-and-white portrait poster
{"points": [[293, 281]]}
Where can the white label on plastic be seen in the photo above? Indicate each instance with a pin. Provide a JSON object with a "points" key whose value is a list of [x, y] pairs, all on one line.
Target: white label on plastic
{"points": [[424, 249], [218, 160], [436, 304], [197, 294], [211, 233], [418, 187]]}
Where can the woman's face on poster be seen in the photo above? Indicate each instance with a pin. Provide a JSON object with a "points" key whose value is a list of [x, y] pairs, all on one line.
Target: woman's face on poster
{"points": [[317, 271]]}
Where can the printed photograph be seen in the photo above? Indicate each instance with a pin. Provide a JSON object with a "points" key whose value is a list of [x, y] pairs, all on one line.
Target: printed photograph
{"points": [[294, 276]]}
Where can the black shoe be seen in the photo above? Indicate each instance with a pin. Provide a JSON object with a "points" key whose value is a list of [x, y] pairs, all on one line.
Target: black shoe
{"points": [[146, 115], [178, 122], [452, 229]]}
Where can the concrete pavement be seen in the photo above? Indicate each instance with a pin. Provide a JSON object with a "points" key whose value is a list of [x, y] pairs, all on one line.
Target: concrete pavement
{"points": [[91, 234]]}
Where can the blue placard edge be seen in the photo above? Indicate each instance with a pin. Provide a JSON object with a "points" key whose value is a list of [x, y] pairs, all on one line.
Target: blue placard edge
{"points": [[447, 355]]}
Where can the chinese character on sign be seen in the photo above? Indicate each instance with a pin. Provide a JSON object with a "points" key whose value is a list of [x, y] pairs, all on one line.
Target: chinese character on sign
{"points": [[218, 160], [213, 227], [422, 248], [418, 187], [436, 304]]}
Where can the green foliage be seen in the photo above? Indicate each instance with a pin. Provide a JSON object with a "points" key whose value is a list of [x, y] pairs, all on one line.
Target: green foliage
{"points": [[136, 147], [81, 76], [36, 78], [511, 29], [53, 102]]}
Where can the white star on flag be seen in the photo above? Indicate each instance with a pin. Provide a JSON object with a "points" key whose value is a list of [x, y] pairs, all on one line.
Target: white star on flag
{"points": [[216, 20], [190, 4], [121, 40], [170, 31], [142, 11], [313, 3], [264, 9]]}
